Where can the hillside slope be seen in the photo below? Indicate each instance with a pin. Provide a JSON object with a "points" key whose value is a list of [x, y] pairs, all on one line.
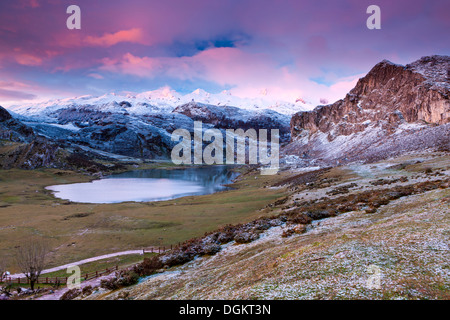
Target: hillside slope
{"points": [[406, 239]]}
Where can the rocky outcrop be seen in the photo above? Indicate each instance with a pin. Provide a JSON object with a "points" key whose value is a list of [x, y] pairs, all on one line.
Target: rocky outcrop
{"points": [[13, 130], [116, 133], [20, 147], [36, 154], [390, 99]]}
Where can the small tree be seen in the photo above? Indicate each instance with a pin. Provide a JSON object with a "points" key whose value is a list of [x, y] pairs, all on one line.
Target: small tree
{"points": [[31, 259]]}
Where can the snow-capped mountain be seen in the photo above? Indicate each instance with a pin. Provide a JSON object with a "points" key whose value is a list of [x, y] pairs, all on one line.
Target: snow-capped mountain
{"points": [[158, 101], [140, 126]]}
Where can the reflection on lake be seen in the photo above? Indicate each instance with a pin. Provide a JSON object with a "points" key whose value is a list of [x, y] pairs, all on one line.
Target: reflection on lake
{"points": [[148, 185]]}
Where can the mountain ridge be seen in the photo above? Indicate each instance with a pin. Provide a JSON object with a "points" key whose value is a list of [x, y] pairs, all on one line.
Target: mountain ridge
{"points": [[392, 103]]}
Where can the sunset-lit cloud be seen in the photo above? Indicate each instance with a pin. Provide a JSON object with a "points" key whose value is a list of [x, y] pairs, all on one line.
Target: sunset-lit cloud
{"points": [[28, 59], [288, 49], [134, 35]]}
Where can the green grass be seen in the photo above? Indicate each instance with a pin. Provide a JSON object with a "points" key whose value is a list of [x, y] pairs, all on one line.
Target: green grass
{"points": [[120, 261], [77, 231]]}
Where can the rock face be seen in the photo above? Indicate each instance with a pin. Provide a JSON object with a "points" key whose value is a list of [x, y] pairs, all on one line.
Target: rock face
{"points": [[391, 104], [20, 147], [13, 130]]}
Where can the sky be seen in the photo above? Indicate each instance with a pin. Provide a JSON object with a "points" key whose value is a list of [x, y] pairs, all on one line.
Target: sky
{"points": [[314, 49]]}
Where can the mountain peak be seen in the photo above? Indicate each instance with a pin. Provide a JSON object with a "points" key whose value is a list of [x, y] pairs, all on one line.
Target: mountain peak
{"points": [[163, 99], [391, 98]]}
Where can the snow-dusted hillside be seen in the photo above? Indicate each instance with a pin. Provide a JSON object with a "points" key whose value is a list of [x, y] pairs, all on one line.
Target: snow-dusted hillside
{"points": [[140, 125], [158, 101]]}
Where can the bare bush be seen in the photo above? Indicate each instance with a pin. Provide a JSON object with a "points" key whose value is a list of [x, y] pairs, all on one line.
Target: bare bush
{"points": [[30, 257]]}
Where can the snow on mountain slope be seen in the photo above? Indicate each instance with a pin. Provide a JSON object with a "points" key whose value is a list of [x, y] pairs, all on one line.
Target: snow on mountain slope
{"points": [[140, 126], [158, 101]]}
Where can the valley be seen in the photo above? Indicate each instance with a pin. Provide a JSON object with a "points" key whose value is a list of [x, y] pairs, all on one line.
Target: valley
{"points": [[78, 231], [361, 190]]}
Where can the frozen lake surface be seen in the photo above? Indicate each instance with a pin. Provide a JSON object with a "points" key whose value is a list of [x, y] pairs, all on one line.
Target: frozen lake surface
{"points": [[148, 185]]}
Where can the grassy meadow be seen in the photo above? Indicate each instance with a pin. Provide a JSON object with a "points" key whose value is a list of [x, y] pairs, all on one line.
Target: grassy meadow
{"points": [[77, 231]]}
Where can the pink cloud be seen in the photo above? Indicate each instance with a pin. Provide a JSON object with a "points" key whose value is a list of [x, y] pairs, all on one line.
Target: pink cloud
{"points": [[15, 91], [130, 64], [134, 35], [28, 59], [247, 73], [75, 39], [278, 46]]}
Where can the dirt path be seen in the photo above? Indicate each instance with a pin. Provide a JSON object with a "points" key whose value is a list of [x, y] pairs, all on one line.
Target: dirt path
{"points": [[102, 257], [57, 294]]}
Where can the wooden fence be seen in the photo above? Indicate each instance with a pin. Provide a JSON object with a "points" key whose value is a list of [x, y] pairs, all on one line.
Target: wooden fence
{"points": [[158, 250], [86, 276], [96, 274], [62, 280], [41, 280]]}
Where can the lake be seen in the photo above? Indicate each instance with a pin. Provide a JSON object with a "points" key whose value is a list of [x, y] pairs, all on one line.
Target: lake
{"points": [[148, 185]]}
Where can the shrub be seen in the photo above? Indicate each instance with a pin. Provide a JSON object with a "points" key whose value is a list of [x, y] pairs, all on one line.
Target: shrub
{"points": [[225, 237], [176, 258], [321, 214], [245, 237], [211, 249], [87, 291], [300, 219], [148, 266], [371, 210], [263, 224], [70, 294], [123, 278], [287, 233]]}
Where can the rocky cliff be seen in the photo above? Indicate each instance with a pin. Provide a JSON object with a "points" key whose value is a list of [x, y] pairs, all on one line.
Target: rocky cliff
{"points": [[394, 108], [20, 147], [13, 130]]}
